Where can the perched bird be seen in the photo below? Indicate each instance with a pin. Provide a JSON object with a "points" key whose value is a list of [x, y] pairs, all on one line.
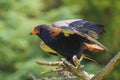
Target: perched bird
{"points": [[70, 37]]}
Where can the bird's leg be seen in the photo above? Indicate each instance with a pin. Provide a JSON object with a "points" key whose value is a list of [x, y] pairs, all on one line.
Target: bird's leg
{"points": [[77, 61], [79, 57]]}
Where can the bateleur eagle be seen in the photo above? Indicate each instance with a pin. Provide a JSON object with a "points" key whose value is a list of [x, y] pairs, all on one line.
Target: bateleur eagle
{"points": [[70, 37]]}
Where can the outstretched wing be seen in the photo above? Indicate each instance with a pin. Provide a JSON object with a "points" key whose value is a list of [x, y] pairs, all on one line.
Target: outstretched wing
{"points": [[89, 30], [46, 48], [81, 27]]}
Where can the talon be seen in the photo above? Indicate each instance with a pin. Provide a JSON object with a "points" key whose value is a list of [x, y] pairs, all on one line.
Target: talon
{"points": [[77, 61]]}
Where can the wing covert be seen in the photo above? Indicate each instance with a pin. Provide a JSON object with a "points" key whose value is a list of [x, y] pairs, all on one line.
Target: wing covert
{"points": [[80, 27], [89, 30], [46, 48]]}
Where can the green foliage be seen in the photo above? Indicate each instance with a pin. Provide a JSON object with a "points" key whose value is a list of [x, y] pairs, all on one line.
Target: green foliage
{"points": [[19, 51]]}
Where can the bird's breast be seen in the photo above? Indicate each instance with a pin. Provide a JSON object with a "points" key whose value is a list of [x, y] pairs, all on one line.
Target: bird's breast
{"points": [[65, 46]]}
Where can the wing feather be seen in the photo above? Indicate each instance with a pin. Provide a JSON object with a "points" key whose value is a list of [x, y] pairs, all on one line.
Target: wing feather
{"points": [[80, 27], [89, 30], [46, 48]]}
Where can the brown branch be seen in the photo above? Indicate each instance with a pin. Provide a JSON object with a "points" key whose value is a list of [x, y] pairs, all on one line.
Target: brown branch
{"points": [[33, 77], [79, 72], [108, 68], [66, 66], [82, 75], [57, 63], [30, 75]]}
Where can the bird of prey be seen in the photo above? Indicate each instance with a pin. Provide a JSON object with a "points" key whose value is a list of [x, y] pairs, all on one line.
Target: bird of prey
{"points": [[70, 37]]}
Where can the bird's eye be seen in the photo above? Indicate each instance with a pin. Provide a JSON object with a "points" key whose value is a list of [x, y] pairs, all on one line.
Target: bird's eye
{"points": [[36, 29]]}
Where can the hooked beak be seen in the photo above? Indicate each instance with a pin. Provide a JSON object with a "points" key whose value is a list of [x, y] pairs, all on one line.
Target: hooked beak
{"points": [[34, 32]]}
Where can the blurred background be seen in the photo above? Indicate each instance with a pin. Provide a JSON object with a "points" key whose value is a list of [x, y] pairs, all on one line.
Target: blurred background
{"points": [[19, 50]]}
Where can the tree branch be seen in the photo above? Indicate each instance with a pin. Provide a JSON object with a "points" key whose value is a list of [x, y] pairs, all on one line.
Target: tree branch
{"points": [[57, 63], [66, 66], [108, 68], [79, 72], [82, 75], [30, 75]]}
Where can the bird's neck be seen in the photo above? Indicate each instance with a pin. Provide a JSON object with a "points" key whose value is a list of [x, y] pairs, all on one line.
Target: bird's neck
{"points": [[48, 34]]}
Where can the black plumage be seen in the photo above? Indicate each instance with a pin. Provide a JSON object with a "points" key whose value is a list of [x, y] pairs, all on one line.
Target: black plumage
{"points": [[67, 37]]}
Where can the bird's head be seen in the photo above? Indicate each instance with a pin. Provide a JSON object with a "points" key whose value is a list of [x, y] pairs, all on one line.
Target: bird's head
{"points": [[39, 29], [42, 31], [45, 32]]}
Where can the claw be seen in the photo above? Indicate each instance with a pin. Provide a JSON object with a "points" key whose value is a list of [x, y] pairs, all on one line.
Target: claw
{"points": [[78, 61]]}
